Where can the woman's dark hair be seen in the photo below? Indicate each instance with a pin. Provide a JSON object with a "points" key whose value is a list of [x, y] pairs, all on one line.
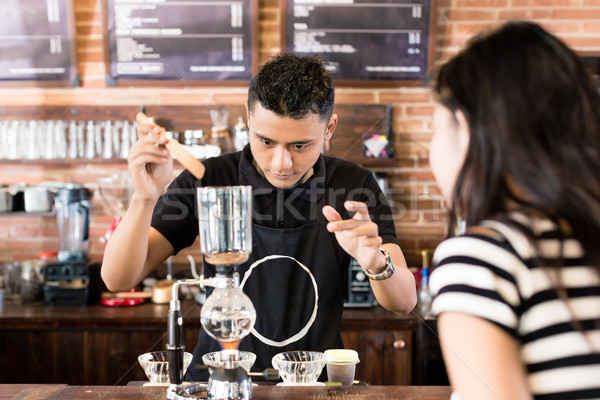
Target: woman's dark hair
{"points": [[534, 117], [293, 86]]}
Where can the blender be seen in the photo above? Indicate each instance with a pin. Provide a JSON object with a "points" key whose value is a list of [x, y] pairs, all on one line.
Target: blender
{"points": [[66, 282]]}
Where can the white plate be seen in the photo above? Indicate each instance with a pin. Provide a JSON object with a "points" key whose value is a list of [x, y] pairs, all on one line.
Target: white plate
{"points": [[301, 384]]}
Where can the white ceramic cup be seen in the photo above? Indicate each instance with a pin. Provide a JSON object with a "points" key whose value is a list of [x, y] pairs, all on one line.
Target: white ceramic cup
{"points": [[341, 365]]}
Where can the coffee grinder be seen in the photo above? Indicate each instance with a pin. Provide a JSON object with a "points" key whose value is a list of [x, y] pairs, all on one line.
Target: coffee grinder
{"points": [[67, 282]]}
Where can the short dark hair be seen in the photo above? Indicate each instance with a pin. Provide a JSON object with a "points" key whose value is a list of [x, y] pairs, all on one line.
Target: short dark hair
{"points": [[533, 112], [293, 86]]}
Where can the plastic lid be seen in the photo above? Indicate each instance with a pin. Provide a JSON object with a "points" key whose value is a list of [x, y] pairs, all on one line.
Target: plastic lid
{"points": [[73, 194], [47, 254], [342, 356]]}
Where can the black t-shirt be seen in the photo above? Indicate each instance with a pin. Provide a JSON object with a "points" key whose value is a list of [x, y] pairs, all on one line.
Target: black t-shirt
{"points": [[298, 292], [175, 214]]}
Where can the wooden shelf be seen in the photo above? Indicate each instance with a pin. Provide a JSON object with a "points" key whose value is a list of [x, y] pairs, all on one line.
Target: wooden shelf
{"points": [[66, 161], [374, 162], [27, 214]]}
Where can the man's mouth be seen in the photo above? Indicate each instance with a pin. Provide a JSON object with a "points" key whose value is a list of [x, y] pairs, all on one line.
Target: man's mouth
{"points": [[281, 177]]}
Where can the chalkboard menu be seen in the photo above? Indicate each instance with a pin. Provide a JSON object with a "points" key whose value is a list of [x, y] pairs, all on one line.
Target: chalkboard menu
{"points": [[372, 40], [37, 40], [180, 41]]}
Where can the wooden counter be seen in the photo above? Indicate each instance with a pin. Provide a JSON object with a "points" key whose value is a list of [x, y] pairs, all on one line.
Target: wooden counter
{"points": [[99, 345], [260, 392]]}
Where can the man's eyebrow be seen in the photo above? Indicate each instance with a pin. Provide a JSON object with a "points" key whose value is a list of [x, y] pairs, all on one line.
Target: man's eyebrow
{"points": [[262, 137]]}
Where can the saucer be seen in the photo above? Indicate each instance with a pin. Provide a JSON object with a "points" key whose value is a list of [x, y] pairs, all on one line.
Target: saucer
{"points": [[301, 384]]}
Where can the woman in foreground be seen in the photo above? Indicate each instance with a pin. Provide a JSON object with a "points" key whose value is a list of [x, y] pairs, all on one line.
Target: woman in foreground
{"points": [[516, 153]]}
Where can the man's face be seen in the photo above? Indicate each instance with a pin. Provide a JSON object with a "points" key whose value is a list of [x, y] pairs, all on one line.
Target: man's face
{"points": [[285, 148]]}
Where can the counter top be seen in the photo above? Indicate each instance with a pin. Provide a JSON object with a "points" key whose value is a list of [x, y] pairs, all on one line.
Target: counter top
{"points": [[39, 316], [39, 392]]}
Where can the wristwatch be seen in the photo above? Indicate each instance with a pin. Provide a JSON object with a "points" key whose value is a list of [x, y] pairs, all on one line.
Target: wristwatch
{"points": [[389, 270]]}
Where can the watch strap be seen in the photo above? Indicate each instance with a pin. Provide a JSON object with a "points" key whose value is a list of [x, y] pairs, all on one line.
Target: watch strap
{"points": [[389, 270]]}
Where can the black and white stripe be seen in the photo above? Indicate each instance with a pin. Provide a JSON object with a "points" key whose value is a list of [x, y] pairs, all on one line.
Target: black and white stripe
{"points": [[501, 281]]}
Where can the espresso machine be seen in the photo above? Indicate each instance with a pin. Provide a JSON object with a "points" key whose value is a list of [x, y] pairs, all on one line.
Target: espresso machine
{"points": [[67, 282], [225, 222]]}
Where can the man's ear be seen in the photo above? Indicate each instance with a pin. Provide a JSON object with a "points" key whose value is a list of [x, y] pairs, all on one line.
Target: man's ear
{"points": [[247, 113], [331, 126]]}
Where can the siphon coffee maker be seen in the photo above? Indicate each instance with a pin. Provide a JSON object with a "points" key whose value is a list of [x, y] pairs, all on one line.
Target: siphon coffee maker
{"points": [[66, 282], [225, 223]]}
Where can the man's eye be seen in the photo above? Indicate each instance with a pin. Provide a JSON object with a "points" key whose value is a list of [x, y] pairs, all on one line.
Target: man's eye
{"points": [[266, 142], [299, 146]]}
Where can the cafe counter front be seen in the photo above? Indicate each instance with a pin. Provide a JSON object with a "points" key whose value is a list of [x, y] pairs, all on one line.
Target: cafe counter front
{"points": [[99, 345], [41, 392]]}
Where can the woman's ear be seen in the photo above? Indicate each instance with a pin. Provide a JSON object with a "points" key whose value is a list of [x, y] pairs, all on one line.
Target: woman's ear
{"points": [[463, 132]]}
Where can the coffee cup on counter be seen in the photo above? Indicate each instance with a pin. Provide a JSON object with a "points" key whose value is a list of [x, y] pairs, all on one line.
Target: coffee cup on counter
{"points": [[341, 365]]}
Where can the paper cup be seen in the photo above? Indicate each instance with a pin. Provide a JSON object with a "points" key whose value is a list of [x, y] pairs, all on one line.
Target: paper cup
{"points": [[341, 365]]}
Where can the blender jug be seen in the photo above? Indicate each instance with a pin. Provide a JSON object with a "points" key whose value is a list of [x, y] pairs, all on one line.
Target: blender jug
{"points": [[72, 204]]}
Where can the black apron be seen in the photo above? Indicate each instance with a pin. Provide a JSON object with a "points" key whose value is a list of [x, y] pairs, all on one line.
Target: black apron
{"points": [[295, 281]]}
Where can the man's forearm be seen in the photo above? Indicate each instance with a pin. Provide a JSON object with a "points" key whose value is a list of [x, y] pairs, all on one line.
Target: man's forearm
{"points": [[127, 250], [397, 293]]}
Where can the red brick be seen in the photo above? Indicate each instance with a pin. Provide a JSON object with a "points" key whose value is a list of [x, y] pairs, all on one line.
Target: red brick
{"points": [[410, 96], [484, 14], [81, 5], [562, 27], [269, 14], [431, 243], [433, 229], [344, 96], [268, 3], [33, 231], [529, 14], [591, 27], [414, 176], [186, 97], [426, 111], [545, 3], [591, 42], [404, 161], [409, 125], [19, 245], [435, 217], [582, 13], [480, 3], [465, 30], [231, 98]]}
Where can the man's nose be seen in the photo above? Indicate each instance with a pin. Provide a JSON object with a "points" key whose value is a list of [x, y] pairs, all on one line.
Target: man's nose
{"points": [[282, 159]]}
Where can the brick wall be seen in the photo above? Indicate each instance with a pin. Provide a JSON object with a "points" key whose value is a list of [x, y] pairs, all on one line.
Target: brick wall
{"points": [[421, 222]]}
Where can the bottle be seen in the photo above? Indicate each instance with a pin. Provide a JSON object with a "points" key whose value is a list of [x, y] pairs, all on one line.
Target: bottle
{"points": [[240, 134], [424, 300]]}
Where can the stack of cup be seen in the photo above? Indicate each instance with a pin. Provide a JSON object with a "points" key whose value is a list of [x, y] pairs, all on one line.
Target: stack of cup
{"points": [[341, 365]]}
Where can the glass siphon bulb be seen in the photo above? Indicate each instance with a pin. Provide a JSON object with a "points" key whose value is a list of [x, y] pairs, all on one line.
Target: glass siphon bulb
{"points": [[228, 314]]}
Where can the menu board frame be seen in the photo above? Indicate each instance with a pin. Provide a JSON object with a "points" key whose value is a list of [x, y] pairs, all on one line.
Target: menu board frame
{"points": [[73, 67], [143, 82], [384, 83]]}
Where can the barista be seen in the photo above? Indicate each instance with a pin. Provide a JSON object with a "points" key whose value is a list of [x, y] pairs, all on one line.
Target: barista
{"points": [[312, 213]]}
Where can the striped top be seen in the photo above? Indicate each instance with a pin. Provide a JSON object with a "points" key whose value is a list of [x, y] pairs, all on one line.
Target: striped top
{"points": [[499, 279]]}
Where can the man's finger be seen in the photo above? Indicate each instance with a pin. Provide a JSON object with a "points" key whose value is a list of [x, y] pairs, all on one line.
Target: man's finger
{"points": [[361, 210], [331, 214]]}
